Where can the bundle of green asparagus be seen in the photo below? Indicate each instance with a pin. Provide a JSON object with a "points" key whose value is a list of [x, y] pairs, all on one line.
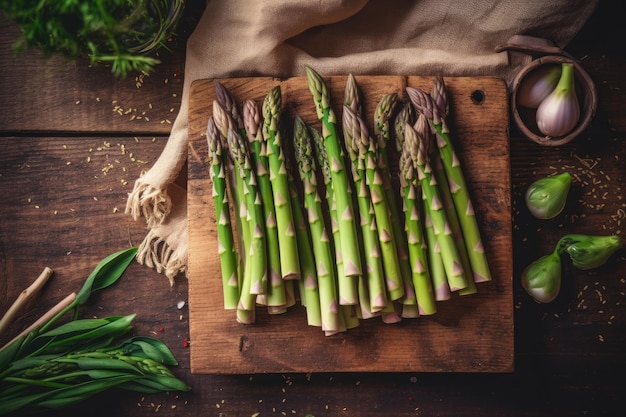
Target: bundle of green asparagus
{"points": [[319, 218]]}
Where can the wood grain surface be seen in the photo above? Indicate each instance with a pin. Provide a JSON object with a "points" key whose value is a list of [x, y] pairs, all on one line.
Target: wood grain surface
{"points": [[569, 354], [467, 334]]}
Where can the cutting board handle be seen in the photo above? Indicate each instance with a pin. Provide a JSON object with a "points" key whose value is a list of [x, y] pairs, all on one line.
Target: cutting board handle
{"points": [[532, 45]]}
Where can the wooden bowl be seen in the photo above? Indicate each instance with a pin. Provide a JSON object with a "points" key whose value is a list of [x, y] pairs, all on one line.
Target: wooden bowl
{"points": [[525, 118]]}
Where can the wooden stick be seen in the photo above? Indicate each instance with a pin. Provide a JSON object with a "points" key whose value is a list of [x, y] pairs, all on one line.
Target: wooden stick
{"points": [[23, 298], [46, 317]]}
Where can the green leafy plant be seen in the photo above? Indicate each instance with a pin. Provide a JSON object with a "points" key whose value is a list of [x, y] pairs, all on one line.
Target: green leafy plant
{"points": [[53, 366], [123, 33]]}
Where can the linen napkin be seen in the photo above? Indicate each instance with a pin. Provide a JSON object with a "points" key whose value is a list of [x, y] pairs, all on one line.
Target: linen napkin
{"points": [[237, 38]]}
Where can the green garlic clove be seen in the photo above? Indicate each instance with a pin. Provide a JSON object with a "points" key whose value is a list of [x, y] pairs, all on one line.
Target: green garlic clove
{"points": [[542, 278], [546, 197], [587, 251], [558, 114]]}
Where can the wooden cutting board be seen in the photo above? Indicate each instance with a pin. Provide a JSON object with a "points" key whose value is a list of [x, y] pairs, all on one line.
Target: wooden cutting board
{"points": [[467, 334]]}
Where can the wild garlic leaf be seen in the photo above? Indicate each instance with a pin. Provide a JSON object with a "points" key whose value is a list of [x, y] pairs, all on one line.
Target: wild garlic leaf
{"points": [[116, 326], [9, 352], [76, 326], [150, 348], [106, 273], [103, 363]]}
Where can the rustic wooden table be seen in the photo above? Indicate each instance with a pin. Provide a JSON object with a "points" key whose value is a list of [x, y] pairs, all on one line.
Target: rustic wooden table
{"points": [[73, 139]]}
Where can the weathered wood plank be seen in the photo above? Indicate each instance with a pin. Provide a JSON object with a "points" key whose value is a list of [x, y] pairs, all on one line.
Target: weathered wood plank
{"points": [[55, 94], [63, 202]]}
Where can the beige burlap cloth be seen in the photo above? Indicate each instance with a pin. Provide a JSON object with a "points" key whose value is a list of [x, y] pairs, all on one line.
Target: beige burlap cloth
{"points": [[278, 38]]}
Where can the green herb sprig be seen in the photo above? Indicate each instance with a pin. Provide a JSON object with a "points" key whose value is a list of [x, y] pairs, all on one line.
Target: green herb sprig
{"points": [[123, 33], [53, 367]]}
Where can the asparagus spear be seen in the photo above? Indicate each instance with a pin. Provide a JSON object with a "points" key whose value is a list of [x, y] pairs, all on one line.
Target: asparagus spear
{"points": [[372, 286], [411, 194], [224, 119], [308, 280], [363, 152], [382, 130], [426, 104], [416, 148], [275, 291], [255, 269], [422, 127], [422, 243], [439, 279], [453, 220], [362, 146], [226, 100], [348, 241], [329, 206], [405, 116], [308, 285], [440, 99], [321, 242], [226, 243], [290, 265]]}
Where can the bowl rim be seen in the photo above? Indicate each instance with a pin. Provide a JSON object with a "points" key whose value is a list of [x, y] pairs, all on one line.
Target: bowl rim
{"points": [[589, 103]]}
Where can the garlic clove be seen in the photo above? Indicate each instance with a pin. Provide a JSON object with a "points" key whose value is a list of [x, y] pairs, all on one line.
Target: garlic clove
{"points": [[589, 251], [558, 114], [537, 85], [542, 278], [546, 197]]}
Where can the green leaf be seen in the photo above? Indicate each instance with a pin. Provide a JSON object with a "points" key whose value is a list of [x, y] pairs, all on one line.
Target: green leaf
{"points": [[77, 326], [116, 326], [57, 403], [106, 273], [30, 362], [109, 373], [8, 353], [60, 397], [150, 348], [139, 387], [91, 332], [158, 383], [92, 387], [87, 363], [170, 382]]}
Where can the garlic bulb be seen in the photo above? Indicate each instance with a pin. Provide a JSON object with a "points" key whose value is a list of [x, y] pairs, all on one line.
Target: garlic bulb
{"points": [[542, 278], [558, 114], [538, 85], [546, 197], [589, 251]]}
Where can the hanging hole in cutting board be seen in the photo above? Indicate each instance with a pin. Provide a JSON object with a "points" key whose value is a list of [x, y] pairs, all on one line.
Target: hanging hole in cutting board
{"points": [[478, 97]]}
